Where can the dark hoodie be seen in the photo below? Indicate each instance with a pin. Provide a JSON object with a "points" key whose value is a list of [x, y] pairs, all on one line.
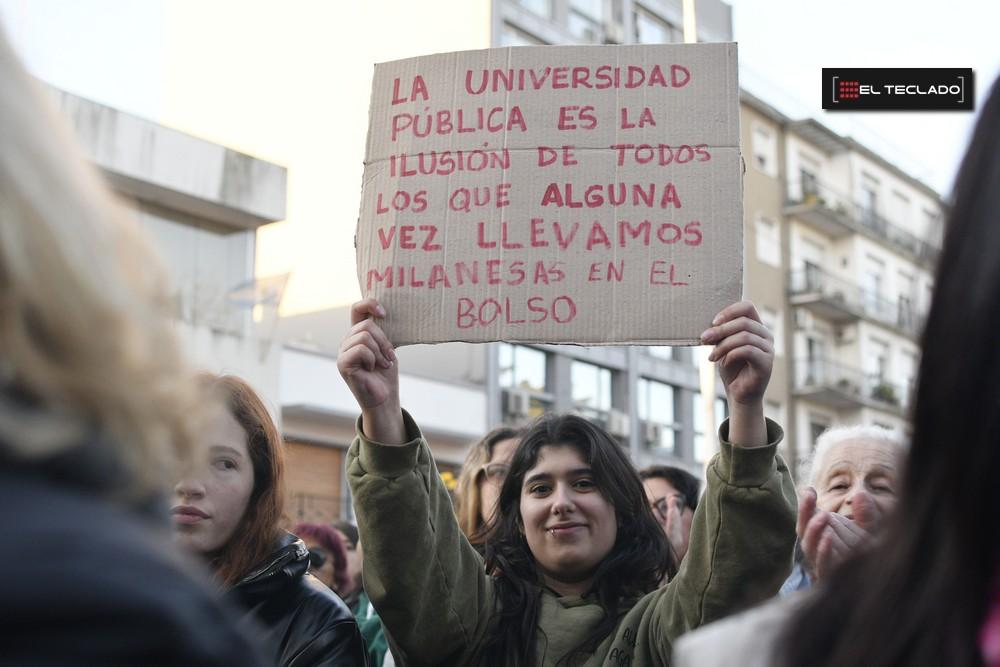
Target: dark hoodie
{"points": [[298, 620], [90, 578]]}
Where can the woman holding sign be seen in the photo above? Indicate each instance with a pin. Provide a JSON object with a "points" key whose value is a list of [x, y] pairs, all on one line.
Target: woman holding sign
{"points": [[573, 555]]}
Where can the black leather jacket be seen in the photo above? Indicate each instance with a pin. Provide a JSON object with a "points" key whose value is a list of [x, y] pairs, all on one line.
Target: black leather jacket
{"points": [[299, 621]]}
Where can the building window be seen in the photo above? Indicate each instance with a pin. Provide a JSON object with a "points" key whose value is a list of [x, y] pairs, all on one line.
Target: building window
{"points": [[699, 354], [661, 351], [873, 281], [523, 368], [909, 363], [869, 201], [932, 227], [907, 287], [511, 36], [541, 7], [816, 428], [656, 410], [585, 17], [768, 241], [591, 389], [900, 208], [771, 319], [878, 360], [810, 185], [651, 29], [775, 412], [765, 151], [705, 444]]}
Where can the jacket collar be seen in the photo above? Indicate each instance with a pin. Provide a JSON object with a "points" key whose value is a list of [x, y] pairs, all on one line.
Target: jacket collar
{"points": [[287, 563]]}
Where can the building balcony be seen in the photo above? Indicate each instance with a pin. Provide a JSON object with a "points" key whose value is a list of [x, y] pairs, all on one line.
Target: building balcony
{"points": [[841, 301], [842, 387], [822, 208]]}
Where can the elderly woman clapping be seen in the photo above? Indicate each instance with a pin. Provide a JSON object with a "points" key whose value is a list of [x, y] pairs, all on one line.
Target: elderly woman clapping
{"points": [[852, 486]]}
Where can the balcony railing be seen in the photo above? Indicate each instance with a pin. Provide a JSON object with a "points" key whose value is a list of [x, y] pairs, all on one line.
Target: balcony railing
{"points": [[836, 214], [841, 386], [841, 300]]}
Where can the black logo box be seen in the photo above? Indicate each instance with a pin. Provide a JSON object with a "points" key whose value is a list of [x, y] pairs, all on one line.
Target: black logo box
{"points": [[897, 89]]}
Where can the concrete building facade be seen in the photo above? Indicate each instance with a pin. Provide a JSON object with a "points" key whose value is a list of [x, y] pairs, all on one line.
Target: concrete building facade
{"points": [[863, 238]]}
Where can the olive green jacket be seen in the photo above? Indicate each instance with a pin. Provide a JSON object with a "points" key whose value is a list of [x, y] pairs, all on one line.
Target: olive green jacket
{"points": [[435, 599]]}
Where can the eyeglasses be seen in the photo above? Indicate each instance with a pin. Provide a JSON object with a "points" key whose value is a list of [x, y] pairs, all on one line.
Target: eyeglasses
{"points": [[496, 473], [317, 558], [660, 506]]}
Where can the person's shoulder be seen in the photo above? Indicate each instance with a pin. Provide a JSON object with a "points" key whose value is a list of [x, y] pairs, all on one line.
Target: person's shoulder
{"points": [[104, 584], [749, 638], [325, 631], [320, 602], [93, 541]]}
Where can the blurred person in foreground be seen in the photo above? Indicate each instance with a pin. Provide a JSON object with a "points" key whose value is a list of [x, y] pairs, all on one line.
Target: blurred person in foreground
{"points": [[485, 468], [327, 555], [928, 592], [853, 480], [96, 404], [228, 509], [673, 497]]}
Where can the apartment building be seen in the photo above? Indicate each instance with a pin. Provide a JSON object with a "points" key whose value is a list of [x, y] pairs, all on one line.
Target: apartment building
{"points": [[649, 397], [862, 241]]}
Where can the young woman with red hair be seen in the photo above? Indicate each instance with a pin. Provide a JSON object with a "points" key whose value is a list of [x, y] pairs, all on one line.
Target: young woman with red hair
{"points": [[227, 509]]}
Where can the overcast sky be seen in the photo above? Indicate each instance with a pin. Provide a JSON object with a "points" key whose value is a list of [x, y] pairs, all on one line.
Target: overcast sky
{"points": [[784, 44]]}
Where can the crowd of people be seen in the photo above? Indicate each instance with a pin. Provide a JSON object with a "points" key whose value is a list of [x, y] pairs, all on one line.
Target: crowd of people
{"points": [[143, 502]]}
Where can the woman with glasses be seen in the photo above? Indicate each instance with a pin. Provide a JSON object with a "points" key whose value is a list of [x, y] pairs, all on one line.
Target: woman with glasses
{"points": [[673, 497], [574, 557], [482, 475], [228, 507]]}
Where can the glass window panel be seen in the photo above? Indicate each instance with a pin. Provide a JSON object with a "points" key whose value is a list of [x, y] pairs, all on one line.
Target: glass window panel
{"points": [[656, 405], [650, 29], [591, 386], [661, 351], [511, 36], [522, 367], [592, 8], [705, 445], [583, 27], [768, 241], [540, 7]]}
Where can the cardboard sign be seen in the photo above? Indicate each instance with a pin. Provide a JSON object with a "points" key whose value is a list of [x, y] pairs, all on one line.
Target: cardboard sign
{"points": [[587, 195]]}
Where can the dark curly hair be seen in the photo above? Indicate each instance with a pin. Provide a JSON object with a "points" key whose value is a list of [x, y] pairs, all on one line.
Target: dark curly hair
{"points": [[636, 565]]}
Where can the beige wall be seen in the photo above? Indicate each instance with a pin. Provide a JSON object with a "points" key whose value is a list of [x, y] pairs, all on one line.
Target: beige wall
{"points": [[764, 284]]}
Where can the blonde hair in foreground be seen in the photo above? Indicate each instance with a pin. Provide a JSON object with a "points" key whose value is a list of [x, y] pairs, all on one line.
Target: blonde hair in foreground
{"points": [[85, 329]]}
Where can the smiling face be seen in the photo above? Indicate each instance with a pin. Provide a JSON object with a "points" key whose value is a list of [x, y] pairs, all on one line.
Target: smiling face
{"points": [[213, 495], [490, 480], [568, 523], [854, 467]]}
